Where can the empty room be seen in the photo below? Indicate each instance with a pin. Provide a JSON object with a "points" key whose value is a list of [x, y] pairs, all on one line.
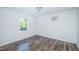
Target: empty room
{"points": [[39, 29]]}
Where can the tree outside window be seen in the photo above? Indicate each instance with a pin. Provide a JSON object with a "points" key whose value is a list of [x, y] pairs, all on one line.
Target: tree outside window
{"points": [[23, 24]]}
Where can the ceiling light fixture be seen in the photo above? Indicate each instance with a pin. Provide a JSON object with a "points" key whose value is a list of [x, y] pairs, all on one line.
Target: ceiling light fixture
{"points": [[39, 8]]}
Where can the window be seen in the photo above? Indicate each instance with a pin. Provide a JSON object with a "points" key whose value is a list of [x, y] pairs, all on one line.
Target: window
{"points": [[23, 24]]}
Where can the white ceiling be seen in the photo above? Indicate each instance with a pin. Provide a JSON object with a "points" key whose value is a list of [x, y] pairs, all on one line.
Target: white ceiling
{"points": [[34, 12]]}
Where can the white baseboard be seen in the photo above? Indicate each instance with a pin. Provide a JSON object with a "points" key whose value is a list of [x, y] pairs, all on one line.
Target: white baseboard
{"points": [[58, 39], [28, 37], [14, 41]]}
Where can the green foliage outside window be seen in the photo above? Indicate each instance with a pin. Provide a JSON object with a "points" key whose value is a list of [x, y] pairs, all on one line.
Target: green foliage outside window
{"points": [[23, 24]]}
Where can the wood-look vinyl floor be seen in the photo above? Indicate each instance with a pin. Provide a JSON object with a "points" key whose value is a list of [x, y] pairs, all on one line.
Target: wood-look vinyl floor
{"points": [[39, 43]]}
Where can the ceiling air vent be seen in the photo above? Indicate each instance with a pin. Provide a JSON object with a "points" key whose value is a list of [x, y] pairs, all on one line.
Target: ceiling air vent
{"points": [[55, 18]]}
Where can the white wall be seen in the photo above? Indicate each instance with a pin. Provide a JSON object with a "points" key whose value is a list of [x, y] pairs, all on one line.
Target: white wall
{"points": [[78, 27], [9, 26], [1, 27], [65, 28]]}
